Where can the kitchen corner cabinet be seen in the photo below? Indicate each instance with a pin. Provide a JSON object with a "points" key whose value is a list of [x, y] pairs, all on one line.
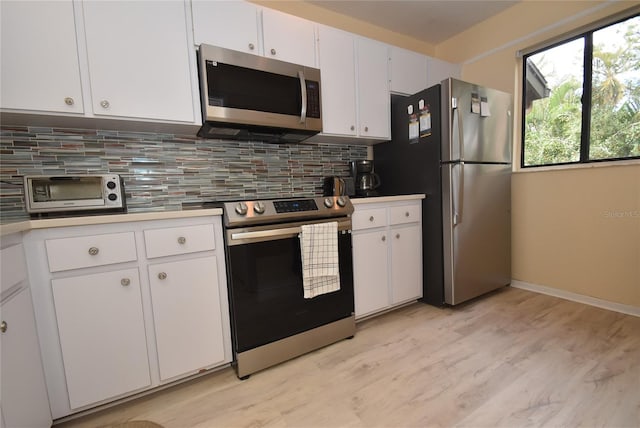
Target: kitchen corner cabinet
{"points": [[387, 255], [245, 27], [130, 60], [23, 394], [438, 70], [355, 88], [126, 307], [407, 71]]}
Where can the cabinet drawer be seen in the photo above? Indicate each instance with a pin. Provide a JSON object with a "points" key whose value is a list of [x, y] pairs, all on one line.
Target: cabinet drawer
{"points": [[88, 251], [367, 219], [179, 240], [14, 269], [405, 214]]}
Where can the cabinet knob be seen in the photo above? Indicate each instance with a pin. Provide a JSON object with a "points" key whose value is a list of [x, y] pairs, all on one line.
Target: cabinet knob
{"points": [[384, 238], [251, 46], [3, 326], [366, 129], [406, 214], [125, 282], [371, 218], [68, 101], [162, 275], [104, 104], [182, 240], [94, 251], [397, 236], [273, 51], [353, 127]]}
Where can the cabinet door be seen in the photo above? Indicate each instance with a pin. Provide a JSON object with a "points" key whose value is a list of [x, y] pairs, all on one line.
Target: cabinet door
{"points": [[39, 57], [337, 66], [102, 336], [229, 24], [373, 90], [288, 38], [186, 314], [406, 263], [370, 272], [138, 59], [407, 71], [24, 394]]}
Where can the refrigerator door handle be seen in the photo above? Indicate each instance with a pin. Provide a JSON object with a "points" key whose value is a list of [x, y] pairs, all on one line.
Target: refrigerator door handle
{"points": [[455, 114], [458, 205]]}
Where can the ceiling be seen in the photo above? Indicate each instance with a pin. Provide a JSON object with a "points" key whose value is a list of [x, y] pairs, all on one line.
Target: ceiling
{"points": [[430, 21]]}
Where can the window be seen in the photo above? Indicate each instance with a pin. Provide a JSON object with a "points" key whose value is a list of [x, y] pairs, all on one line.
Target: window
{"points": [[581, 100]]}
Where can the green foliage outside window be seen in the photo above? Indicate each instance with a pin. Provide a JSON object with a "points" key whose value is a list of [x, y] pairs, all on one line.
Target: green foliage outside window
{"points": [[553, 124]]}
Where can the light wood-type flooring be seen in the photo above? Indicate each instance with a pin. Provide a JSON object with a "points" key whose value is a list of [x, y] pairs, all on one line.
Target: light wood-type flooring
{"points": [[509, 359]]}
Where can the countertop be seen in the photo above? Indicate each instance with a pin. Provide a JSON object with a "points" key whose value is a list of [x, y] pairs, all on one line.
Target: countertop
{"points": [[23, 225], [17, 225]]}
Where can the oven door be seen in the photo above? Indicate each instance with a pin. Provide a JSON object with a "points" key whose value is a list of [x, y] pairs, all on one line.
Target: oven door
{"points": [[265, 285]]}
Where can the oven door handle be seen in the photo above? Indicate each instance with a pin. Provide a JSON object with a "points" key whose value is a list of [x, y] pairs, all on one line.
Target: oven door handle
{"points": [[269, 233]]}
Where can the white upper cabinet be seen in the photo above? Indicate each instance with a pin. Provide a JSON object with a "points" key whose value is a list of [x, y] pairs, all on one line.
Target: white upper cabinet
{"points": [[374, 115], [407, 71], [337, 68], [245, 27], [229, 24], [39, 58], [289, 38], [438, 70], [138, 58]]}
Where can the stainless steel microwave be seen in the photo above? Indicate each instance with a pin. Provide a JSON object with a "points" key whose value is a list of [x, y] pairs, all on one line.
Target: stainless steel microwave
{"points": [[50, 194], [249, 97]]}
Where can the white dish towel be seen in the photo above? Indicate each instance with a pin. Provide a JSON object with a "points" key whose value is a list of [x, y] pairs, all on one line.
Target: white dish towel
{"points": [[320, 266]]}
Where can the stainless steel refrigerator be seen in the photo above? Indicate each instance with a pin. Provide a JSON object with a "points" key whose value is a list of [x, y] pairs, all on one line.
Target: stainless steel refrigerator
{"points": [[453, 142]]}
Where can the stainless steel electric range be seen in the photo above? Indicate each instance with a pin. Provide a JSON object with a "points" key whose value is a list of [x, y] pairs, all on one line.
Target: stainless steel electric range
{"points": [[270, 318]]}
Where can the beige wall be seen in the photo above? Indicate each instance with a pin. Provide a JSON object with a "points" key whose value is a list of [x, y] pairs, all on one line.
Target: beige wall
{"points": [[577, 229]]}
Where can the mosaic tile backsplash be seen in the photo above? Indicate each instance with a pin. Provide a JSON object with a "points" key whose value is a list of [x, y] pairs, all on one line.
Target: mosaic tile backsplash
{"points": [[160, 171]]}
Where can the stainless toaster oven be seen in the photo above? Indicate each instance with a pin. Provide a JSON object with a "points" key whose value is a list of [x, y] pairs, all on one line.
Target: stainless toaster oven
{"points": [[61, 193]]}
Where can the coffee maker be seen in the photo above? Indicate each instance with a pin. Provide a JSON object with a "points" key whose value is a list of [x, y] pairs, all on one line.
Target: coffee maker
{"points": [[365, 179]]}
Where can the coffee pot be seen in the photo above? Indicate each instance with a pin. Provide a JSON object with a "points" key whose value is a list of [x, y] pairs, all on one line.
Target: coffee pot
{"points": [[365, 179]]}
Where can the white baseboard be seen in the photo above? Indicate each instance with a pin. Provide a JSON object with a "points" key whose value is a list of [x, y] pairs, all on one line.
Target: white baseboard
{"points": [[580, 298]]}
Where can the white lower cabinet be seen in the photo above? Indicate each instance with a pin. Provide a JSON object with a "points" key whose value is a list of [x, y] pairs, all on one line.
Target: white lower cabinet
{"points": [[102, 335], [387, 254], [140, 305], [23, 394], [186, 315]]}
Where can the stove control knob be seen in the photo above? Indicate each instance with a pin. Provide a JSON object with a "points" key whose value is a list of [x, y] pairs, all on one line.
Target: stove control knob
{"points": [[241, 208], [328, 202], [341, 201], [259, 207]]}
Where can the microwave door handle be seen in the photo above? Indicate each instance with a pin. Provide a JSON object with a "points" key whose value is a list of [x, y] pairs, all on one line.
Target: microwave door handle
{"points": [[303, 90]]}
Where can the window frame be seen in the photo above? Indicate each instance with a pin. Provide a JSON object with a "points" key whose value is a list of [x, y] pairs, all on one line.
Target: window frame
{"points": [[587, 89]]}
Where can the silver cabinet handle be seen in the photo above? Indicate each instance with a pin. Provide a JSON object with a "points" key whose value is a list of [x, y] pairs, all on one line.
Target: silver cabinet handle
{"points": [[371, 218], [397, 236], [162, 275], [3, 326], [94, 251], [251, 46], [273, 51], [406, 214], [366, 129], [68, 101], [125, 282], [182, 240], [353, 127], [104, 104], [384, 238]]}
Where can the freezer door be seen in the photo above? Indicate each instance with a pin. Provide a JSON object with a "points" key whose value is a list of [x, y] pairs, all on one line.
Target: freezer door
{"points": [[477, 229], [476, 123]]}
